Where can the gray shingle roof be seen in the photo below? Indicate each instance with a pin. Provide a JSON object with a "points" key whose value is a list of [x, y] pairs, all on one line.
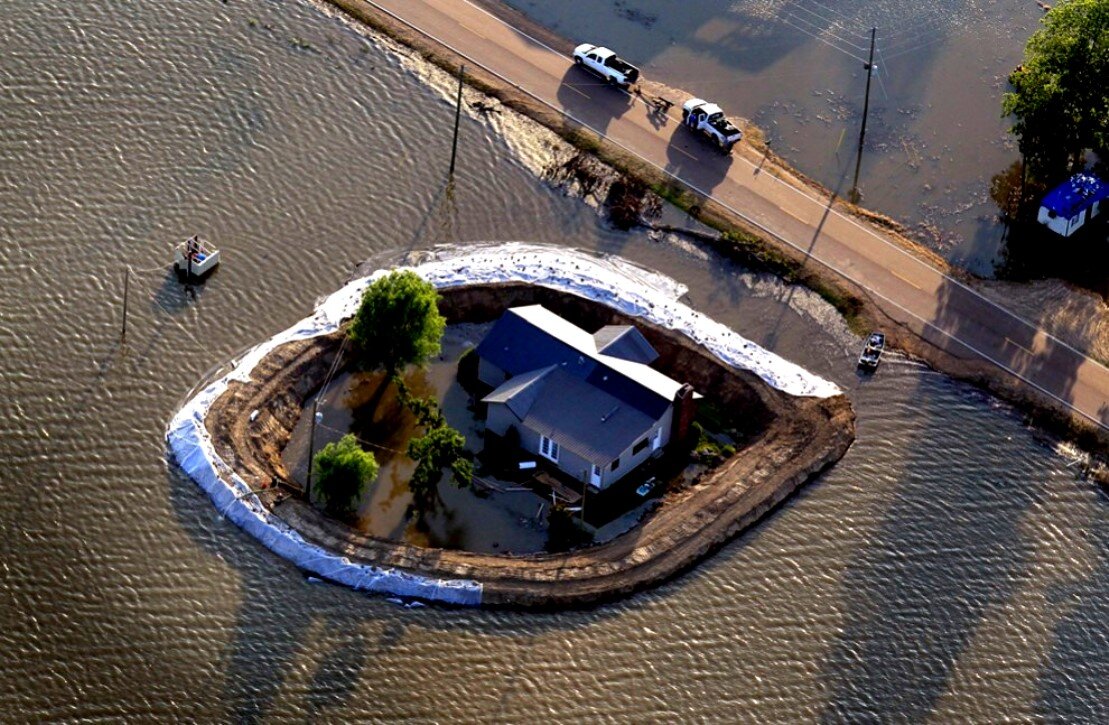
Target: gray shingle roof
{"points": [[577, 415], [626, 342], [519, 393], [532, 337]]}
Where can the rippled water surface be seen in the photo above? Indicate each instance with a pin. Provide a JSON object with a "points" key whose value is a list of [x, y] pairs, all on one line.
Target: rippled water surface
{"points": [[951, 566]]}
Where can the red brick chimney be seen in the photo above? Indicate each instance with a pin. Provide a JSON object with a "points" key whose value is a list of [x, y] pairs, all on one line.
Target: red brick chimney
{"points": [[685, 408]]}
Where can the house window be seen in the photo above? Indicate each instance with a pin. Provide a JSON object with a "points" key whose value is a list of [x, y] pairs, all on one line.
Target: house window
{"points": [[615, 464], [640, 445], [548, 448]]}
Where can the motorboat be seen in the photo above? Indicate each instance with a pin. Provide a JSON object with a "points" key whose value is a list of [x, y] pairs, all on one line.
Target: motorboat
{"points": [[872, 351]]}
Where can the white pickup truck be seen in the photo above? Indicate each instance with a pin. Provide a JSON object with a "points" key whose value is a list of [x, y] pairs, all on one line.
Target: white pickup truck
{"points": [[606, 64], [709, 119]]}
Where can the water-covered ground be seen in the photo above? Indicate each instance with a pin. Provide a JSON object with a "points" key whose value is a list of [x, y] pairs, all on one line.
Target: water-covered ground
{"points": [[951, 565], [935, 135]]}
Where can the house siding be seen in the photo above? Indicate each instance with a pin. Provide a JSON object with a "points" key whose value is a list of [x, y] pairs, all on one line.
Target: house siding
{"points": [[499, 418], [489, 373], [629, 462]]}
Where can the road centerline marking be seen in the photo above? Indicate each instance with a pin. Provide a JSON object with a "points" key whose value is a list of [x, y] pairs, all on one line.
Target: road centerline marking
{"points": [[575, 90], [906, 280], [475, 32], [1017, 344], [681, 150]]}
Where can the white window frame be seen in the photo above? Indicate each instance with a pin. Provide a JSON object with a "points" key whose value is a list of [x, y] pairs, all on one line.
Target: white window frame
{"points": [[548, 448]]}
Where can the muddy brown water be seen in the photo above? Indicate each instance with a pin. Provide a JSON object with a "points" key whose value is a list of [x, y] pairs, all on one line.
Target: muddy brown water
{"points": [[935, 136], [950, 566]]}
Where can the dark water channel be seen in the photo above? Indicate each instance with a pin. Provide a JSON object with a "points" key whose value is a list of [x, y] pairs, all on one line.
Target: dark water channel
{"points": [[935, 135], [950, 567]]}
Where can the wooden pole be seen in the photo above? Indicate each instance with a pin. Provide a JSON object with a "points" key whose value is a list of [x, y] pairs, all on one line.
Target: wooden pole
{"points": [[457, 118], [311, 447], [866, 109], [126, 287]]}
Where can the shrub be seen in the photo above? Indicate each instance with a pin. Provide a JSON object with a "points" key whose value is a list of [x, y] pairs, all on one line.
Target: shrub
{"points": [[341, 473]]}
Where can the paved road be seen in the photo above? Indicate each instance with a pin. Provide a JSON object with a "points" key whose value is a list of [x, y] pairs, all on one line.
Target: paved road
{"points": [[939, 308]]}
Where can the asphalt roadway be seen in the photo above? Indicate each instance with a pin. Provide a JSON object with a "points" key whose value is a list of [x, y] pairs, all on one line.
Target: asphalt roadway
{"points": [[939, 308]]}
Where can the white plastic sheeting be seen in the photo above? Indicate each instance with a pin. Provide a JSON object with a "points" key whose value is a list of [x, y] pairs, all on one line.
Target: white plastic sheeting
{"points": [[615, 282], [189, 441]]}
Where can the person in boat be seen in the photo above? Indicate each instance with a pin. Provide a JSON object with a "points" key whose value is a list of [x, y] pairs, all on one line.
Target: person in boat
{"points": [[192, 248]]}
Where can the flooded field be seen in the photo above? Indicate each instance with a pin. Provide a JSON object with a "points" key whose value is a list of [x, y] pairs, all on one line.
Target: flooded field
{"points": [[951, 567], [935, 136]]}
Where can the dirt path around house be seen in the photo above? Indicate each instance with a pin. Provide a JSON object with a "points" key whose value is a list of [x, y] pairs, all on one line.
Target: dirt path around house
{"points": [[793, 439]]}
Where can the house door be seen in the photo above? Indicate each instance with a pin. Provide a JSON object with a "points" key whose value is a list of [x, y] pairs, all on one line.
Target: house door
{"points": [[595, 476]]}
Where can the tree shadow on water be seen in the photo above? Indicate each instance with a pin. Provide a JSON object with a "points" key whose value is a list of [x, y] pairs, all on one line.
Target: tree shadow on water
{"points": [[948, 549]]}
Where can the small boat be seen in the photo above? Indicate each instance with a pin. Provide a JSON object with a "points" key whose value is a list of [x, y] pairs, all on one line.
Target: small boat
{"points": [[195, 257], [872, 351]]}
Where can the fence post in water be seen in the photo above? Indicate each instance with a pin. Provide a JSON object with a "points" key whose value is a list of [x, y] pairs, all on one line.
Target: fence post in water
{"points": [[457, 118], [866, 108], [126, 286]]}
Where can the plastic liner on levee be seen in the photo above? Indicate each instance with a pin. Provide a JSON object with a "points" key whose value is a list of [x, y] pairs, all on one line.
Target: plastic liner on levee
{"points": [[611, 281]]}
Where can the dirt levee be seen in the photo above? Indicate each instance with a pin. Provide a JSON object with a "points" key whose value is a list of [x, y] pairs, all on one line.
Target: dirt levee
{"points": [[792, 439]]}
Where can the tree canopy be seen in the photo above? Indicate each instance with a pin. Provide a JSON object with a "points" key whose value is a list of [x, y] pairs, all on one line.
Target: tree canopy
{"points": [[441, 447], [341, 472], [1060, 94], [398, 323]]}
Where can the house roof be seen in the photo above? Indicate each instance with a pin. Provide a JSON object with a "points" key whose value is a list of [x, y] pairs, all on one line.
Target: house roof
{"points": [[624, 341], [519, 392], [533, 337], [574, 413], [1075, 194]]}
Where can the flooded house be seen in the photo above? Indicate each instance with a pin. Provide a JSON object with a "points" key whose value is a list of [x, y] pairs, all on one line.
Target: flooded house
{"points": [[588, 403], [1071, 204]]}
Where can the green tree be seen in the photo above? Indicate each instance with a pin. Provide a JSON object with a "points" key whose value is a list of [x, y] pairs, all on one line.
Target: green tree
{"points": [[341, 472], [398, 323], [1060, 94], [440, 448]]}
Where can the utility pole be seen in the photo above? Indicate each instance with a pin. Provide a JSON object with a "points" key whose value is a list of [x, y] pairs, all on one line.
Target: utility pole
{"points": [[126, 286], [866, 108], [312, 447], [457, 117]]}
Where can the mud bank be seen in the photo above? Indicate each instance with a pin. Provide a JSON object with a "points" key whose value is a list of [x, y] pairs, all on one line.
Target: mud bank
{"points": [[751, 246], [230, 439]]}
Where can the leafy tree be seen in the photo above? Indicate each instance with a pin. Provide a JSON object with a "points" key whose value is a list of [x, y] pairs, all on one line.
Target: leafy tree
{"points": [[398, 323], [439, 448], [341, 472], [1060, 94]]}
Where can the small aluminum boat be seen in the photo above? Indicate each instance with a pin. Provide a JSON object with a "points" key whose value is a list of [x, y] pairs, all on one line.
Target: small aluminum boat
{"points": [[872, 351]]}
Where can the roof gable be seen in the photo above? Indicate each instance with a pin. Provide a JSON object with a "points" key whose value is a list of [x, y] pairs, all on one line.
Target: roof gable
{"points": [[626, 342], [532, 337], [519, 393]]}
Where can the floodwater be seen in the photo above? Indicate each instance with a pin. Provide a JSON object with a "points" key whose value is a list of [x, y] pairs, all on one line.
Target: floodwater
{"points": [[951, 566], [935, 135]]}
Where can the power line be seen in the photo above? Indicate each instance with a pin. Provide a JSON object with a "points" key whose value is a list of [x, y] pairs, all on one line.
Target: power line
{"points": [[822, 40], [819, 29]]}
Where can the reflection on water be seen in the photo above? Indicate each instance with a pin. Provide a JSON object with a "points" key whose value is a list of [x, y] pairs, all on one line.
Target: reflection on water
{"points": [[950, 550]]}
